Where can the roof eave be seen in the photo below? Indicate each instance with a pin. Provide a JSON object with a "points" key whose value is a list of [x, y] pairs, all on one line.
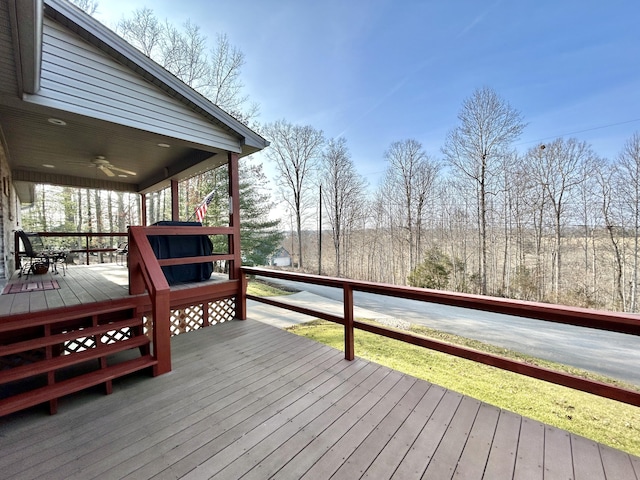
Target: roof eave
{"points": [[108, 41], [26, 30]]}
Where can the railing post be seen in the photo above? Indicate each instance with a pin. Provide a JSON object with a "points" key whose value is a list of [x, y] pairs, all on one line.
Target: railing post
{"points": [[349, 347], [241, 303], [136, 282], [86, 247], [16, 250], [162, 332]]}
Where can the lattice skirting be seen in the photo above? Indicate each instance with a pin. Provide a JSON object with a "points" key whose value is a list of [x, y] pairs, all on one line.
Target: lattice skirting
{"points": [[87, 343], [194, 317]]}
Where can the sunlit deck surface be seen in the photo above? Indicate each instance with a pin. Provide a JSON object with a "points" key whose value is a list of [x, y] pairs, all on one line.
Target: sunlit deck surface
{"points": [[248, 400], [82, 284]]}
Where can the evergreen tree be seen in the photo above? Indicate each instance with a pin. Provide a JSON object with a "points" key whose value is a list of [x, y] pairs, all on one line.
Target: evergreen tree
{"points": [[433, 272], [259, 235]]}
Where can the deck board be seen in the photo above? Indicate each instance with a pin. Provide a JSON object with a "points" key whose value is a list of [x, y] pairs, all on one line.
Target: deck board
{"points": [[558, 463], [425, 445], [616, 464], [530, 455], [447, 456], [504, 446], [160, 418], [586, 459], [379, 436], [395, 450], [474, 457], [82, 284], [248, 400]]}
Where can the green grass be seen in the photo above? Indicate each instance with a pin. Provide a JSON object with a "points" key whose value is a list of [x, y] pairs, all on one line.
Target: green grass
{"points": [[261, 288], [603, 420]]}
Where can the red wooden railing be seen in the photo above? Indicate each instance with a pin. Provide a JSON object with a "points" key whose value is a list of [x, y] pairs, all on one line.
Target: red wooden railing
{"points": [[145, 274], [86, 237], [601, 320]]}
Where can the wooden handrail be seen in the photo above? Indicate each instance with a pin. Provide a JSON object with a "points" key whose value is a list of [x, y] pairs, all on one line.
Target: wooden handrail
{"points": [[601, 320], [145, 272], [86, 235], [187, 230]]}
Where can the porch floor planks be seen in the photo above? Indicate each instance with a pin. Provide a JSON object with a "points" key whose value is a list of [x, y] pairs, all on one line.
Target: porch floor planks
{"points": [[246, 399], [530, 455], [234, 427], [426, 443], [157, 409], [183, 429], [558, 463], [368, 394], [400, 443], [265, 459], [475, 455], [283, 424], [586, 459], [367, 450], [82, 284], [381, 404]]}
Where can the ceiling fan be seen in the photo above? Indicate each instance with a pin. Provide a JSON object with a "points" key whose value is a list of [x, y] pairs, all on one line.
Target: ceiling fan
{"points": [[109, 170]]}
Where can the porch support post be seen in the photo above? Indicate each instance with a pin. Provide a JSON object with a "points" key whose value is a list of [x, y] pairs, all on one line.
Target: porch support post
{"points": [[175, 208], [143, 209], [234, 223]]}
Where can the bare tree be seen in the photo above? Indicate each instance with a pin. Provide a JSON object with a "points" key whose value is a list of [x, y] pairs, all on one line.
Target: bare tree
{"points": [[143, 31], [214, 72], [629, 182], [475, 148], [606, 178], [343, 191], [295, 150], [89, 6], [408, 182], [558, 168]]}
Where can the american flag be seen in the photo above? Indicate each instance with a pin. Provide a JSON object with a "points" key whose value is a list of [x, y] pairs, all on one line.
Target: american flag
{"points": [[201, 210]]}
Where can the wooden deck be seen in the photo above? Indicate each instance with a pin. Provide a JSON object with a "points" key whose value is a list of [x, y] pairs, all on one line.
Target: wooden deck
{"points": [[81, 285], [247, 400]]}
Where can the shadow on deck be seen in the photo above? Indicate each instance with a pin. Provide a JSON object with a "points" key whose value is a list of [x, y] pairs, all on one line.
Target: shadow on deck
{"points": [[247, 400]]}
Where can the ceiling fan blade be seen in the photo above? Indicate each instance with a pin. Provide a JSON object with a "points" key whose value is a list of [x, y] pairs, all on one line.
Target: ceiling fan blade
{"points": [[128, 172], [106, 171]]}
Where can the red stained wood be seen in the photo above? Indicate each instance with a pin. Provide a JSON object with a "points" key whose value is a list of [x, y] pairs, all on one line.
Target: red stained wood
{"points": [[624, 323]]}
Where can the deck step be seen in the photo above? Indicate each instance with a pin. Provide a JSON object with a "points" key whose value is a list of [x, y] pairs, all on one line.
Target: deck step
{"points": [[72, 385], [42, 342], [44, 366], [45, 358]]}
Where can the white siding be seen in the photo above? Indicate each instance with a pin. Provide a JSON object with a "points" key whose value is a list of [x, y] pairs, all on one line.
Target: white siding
{"points": [[80, 78]]}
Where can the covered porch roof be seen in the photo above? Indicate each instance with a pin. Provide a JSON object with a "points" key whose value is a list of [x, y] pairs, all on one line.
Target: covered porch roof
{"points": [[76, 100]]}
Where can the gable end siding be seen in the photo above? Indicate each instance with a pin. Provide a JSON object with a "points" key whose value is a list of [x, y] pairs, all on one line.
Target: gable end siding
{"points": [[78, 77]]}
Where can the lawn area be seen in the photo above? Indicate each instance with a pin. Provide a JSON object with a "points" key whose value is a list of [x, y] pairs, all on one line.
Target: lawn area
{"points": [[603, 420], [261, 288]]}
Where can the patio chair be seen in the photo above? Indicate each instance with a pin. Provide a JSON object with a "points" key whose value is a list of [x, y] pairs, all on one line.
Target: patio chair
{"points": [[36, 258], [122, 250]]}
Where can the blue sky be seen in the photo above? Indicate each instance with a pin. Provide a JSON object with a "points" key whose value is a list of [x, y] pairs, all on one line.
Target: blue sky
{"points": [[378, 71]]}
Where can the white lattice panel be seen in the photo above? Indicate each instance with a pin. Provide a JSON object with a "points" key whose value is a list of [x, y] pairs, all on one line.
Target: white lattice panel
{"points": [[222, 311], [186, 319], [191, 318]]}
